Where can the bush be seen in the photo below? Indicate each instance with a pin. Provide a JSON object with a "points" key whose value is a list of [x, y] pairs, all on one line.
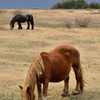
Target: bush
{"points": [[68, 24], [82, 22], [17, 12], [94, 5], [76, 4]]}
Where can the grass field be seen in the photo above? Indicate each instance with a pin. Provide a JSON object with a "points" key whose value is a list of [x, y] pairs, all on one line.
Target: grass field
{"points": [[19, 47]]}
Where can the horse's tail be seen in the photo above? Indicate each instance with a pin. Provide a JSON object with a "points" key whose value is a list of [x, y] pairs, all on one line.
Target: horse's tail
{"points": [[81, 79], [78, 72], [32, 21]]}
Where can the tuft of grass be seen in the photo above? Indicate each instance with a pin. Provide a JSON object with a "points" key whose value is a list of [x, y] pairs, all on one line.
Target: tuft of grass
{"points": [[82, 22], [2, 28], [68, 24]]}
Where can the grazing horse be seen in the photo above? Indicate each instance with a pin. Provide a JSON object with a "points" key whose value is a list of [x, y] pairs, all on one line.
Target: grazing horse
{"points": [[20, 18], [54, 66]]}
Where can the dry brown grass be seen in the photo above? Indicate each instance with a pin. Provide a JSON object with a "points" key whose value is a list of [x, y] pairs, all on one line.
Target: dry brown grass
{"points": [[19, 47]]}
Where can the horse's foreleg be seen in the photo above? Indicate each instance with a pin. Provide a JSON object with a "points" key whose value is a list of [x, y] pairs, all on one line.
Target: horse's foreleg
{"points": [[19, 25], [39, 91], [28, 25], [45, 88], [66, 87]]}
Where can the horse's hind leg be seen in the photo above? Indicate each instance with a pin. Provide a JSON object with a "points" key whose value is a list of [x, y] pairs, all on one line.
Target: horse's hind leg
{"points": [[28, 25], [66, 87], [39, 91], [32, 24], [79, 78]]}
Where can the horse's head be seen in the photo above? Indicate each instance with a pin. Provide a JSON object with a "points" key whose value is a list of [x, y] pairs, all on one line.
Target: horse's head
{"points": [[27, 93], [11, 26]]}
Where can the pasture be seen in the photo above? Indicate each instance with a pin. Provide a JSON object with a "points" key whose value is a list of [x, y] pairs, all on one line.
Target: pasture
{"points": [[19, 47]]}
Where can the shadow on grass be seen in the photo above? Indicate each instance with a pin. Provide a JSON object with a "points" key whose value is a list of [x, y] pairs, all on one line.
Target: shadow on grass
{"points": [[89, 95]]}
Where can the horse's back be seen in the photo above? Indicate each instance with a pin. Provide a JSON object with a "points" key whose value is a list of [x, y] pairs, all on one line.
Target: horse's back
{"points": [[27, 14], [23, 17], [65, 48]]}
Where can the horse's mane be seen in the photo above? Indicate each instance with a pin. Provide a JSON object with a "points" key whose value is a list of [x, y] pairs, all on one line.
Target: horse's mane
{"points": [[38, 65], [36, 69], [13, 20]]}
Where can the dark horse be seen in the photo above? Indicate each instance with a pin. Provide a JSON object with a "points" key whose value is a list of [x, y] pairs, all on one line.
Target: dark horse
{"points": [[54, 66], [20, 18]]}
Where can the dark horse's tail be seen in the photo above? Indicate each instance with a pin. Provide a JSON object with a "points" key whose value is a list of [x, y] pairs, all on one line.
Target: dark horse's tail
{"points": [[32, 21], [78, 70]]}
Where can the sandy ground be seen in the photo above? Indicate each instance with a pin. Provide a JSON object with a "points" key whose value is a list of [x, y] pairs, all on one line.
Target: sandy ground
{"points": [[19, 47]]}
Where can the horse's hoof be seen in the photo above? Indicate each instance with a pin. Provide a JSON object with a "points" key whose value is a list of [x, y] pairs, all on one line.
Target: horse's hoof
{"points": [[39, 99], [64, 95], [19, 28], [75, 92]]}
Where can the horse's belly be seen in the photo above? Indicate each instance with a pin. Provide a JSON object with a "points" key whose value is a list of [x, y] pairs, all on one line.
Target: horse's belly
{"points": [[59, 77]]}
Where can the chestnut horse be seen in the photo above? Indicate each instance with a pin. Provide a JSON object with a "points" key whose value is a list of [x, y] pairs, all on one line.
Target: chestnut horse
{"points": [[54, 66]]}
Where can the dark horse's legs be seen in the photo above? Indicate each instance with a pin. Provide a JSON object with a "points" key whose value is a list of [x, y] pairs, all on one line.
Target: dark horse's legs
{"points": [[66, 87], [19, 25]]}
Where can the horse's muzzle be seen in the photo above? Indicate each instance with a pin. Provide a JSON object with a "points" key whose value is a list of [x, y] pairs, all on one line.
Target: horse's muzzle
{"points": [[11, 28]]}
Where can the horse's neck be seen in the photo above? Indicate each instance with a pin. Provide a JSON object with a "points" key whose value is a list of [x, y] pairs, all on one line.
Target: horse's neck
{"points": [[13, 20], [34, 71]]}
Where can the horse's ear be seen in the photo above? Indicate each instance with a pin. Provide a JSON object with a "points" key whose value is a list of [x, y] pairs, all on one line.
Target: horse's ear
{"points": [[20, 87]]}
